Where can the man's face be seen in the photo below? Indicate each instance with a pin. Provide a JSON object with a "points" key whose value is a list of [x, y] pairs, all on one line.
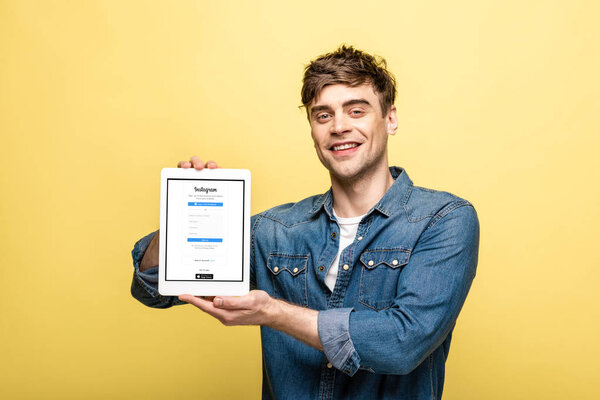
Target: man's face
{"points": [[350, 132]]}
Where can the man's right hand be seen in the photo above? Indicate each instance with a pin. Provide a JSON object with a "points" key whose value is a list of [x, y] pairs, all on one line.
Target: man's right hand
{"points": [[197, 164], [150, 258]]}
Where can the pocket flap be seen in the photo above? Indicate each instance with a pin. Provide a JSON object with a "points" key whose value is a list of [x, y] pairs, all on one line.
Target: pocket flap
{"points": [[293, 263], [393, 258]]}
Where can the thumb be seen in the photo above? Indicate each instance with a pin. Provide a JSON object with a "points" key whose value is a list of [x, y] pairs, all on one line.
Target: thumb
{"points": [[230, 302]]}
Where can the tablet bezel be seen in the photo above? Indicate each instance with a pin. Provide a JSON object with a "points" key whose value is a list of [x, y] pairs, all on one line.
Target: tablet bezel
{"points": [[204, 287]]}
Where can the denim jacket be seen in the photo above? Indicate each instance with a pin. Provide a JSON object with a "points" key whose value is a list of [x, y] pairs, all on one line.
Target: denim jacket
{"points": [[386, 327]]}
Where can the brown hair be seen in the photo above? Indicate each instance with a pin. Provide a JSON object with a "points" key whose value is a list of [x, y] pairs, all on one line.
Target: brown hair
{"points": [[352, 67]]}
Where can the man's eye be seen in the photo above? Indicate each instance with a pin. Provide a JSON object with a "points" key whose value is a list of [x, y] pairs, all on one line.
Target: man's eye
{"points": [[322, 117], [356, 112]]}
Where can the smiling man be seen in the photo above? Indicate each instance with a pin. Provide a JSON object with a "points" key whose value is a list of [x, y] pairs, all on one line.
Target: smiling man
{"points": [[357, 290]]}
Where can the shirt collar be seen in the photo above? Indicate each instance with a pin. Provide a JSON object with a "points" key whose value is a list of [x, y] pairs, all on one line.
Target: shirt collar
{"points": [[387, 204]]}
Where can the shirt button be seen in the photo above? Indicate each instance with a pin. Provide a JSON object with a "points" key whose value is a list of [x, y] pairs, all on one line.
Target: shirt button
{"points": [[359, 238], [295, 270], [275, 269], [333, 235], [321, 268], [346, 267], [395, 262], [329, 365], [371, 263]]}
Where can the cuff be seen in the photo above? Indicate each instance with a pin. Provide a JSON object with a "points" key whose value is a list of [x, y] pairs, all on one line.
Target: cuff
{"points": [[149, 278], [334, 332]]}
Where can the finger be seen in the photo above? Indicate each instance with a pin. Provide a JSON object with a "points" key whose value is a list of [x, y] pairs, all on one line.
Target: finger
{"points": [[199, 302], [211, 164], [197, 163], [233, 303], [184, 164], [225, 316]]}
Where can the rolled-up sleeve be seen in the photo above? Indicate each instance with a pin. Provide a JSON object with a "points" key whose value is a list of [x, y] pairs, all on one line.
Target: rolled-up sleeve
{"points": [[144, 285], [334, 332], [430, 294]]}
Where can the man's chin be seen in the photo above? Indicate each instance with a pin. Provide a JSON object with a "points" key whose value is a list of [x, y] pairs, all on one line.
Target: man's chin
{"points": [[345, 174], [346, 171]]}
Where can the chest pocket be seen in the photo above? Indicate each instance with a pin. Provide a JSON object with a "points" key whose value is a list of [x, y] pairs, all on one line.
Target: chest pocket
{"points": [[379, 276], [288, 272]]}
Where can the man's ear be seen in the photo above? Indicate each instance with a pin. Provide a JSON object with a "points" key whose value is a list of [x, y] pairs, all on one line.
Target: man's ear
{"points": [[392, 121]]}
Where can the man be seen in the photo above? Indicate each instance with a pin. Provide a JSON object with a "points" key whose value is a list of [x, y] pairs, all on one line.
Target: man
{"points": [[356, 290]]}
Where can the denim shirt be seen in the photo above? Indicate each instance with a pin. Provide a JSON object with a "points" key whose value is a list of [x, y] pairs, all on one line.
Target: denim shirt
{"points": [[386, 327]]}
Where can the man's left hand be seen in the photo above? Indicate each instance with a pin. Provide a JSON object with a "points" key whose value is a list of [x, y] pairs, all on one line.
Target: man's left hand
{"points": [[250, 309], [258, 308]]}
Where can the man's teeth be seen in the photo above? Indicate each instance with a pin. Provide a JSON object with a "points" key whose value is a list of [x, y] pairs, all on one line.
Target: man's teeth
{"points": [[345, 146]]}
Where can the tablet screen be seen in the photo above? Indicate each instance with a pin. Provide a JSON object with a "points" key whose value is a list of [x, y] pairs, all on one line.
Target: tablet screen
{"points": [[204, 230]]}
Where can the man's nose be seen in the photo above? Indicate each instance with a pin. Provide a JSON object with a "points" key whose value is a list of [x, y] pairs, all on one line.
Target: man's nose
{"points": [[340, 125]]}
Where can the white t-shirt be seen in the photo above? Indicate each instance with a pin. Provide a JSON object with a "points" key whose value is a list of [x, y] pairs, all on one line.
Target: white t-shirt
{"points": [[348, 228]]}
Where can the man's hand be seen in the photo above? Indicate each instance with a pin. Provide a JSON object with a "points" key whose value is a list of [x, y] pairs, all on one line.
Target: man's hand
{"points": [[255, 308], [258, 308], [197, 164]]}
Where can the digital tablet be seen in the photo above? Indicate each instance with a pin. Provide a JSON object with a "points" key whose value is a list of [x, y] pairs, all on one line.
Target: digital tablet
{"points": [[204, 232]]}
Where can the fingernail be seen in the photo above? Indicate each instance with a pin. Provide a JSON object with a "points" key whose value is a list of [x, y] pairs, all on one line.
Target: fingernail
{"points": [[218, 302]]}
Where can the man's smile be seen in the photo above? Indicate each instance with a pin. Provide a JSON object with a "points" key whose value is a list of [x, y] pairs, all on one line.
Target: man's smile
{"points": [[343, 148]]}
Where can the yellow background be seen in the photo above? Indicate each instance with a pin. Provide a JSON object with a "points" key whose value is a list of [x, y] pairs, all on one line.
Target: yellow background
{"points": [[498, 102]]}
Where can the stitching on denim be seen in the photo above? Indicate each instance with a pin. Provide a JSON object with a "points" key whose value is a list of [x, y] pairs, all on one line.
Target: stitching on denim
{"points": [[407, 195], [324, 381], [360, 286], [417, 219], [445, 211], [332, 383], [404, 206], [321, 385], [353, 361], [349, 364], [286, 269], [253, 247], [372, 307], [320, 261], [305, 299], [374, 250], [431, 375], [305, 285], [361, 293], [311, 214], [368, 225], [414, 220], [288, 225], [295, 276], [345, 279], [290, 256], [274, 286], [151, 291], [318, 203]]}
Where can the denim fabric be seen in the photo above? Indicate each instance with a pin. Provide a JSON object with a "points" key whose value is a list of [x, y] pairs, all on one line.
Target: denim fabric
{"points": [[387, 325]]}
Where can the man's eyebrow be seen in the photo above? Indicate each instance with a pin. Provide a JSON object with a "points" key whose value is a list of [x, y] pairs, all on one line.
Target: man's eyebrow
{"points": [[319, 108], [355, 101], [345, 104]]}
